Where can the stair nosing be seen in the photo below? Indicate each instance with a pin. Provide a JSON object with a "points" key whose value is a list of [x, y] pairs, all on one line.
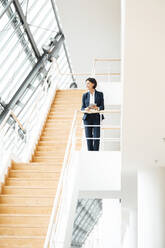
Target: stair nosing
{"points": [[27, 187], [23, 205], [21, 237], [24, 171], [45, 215], [25, 178], [27, 196]]}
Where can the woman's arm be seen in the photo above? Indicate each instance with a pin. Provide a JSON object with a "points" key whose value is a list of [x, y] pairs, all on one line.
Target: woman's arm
{"points": [[101, 107], [83, 103]]}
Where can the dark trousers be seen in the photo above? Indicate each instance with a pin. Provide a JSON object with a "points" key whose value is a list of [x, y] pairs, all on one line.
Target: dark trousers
{"points": [[92, 132]]}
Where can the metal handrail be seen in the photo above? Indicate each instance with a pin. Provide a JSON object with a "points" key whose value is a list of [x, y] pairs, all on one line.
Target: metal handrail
{"points": [[105, 127], [88, 74], [85, 138], [107, 59], [18, 122], [15, 118], [101, 111]]}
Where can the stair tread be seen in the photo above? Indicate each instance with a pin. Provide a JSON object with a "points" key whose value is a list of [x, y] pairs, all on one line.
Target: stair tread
{"points": [[42, 215], [34, 163], [44, 157], [57, 158], [28, 187], [22, 205], [30, 179], [27, 196], [40, 171], [30, 165], [21, 237], [22, 225], [55, 142]]}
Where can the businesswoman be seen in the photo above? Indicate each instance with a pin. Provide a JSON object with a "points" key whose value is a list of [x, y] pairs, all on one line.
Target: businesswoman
{"points": [[92, 99]]}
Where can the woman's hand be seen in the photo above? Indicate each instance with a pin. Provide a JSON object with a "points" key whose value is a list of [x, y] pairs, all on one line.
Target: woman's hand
{"points": [[95, 107]]}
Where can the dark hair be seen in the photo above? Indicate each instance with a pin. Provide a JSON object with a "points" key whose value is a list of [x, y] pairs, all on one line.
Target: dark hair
{"points": [[93, 81]]}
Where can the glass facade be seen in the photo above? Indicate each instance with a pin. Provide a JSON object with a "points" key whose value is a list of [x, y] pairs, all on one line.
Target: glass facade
{"points": [[87, 215], [30, 35], [25, 27]]}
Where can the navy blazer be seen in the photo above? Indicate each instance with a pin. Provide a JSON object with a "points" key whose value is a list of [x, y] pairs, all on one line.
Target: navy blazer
{"points": [[99, 100]]}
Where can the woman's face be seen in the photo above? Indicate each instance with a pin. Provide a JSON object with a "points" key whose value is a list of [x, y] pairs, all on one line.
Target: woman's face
{"points": [[89, 85]]}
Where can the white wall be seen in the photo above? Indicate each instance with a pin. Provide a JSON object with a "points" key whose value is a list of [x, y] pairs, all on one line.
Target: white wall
{"points": [[112, 92], [92, 29], [143, 119], [92, 175], [99, 174], [144, 84]]}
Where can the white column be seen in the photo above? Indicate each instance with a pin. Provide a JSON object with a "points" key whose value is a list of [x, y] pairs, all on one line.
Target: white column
{"points": [[143, 126], [151, 208], [129, 209]]}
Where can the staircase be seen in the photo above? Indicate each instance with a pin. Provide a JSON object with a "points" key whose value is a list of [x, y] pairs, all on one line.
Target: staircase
{"points": [[27, 195]]}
